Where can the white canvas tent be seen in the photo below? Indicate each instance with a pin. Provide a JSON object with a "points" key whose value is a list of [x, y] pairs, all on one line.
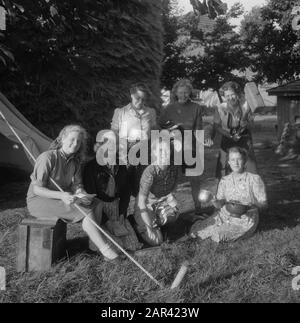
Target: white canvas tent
{"points": [[12, 153]]}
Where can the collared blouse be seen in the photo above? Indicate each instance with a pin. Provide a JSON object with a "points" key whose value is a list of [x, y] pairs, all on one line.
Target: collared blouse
{"points": [[248, 189], [133, 126], [228, 120], [65, 171]]}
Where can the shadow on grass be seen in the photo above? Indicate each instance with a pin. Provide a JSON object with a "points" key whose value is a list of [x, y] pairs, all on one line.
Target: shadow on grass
{"points": [[283, 211], [78, 246], [280, 217], [217, 280]]}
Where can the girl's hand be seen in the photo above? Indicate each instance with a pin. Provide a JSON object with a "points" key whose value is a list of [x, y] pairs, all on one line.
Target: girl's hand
{"points": [[151, 232], [218, 204], [85, 198], [68, 198], [208, 142]]}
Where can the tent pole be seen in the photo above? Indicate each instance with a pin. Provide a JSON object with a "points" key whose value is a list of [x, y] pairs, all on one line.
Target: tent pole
{"points": [[82, 211]]}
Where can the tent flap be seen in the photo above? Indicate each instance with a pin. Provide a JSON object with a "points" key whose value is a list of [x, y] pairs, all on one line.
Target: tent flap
{"points": [[34, 140]]}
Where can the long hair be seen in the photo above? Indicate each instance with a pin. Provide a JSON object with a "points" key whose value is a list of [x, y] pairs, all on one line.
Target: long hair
{"points": [[181, 83], [81, 153]]}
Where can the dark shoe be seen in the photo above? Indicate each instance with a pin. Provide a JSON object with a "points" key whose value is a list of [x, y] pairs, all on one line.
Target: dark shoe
{"points": [[201, 217]]}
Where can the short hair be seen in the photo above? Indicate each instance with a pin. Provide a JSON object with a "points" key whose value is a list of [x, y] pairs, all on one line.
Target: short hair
{"points": [[243, 152], [139, 87], [233, 86], [181, 83]]}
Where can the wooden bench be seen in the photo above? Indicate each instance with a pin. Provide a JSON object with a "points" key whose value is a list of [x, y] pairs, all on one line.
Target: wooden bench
{"points": [[40, 244]]}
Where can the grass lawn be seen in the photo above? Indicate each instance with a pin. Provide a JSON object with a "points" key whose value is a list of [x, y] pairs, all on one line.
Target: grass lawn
{"points": [[255, 270]]}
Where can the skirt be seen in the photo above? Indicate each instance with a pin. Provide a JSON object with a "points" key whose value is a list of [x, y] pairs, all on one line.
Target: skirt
{"points": [[45, 208]]}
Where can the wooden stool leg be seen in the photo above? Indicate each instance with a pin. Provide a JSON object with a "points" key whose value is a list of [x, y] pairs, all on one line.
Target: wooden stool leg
{"points": [[59, 241]]}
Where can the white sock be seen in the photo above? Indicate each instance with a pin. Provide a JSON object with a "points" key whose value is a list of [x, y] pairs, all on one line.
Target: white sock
{"points": [[108, 252]]}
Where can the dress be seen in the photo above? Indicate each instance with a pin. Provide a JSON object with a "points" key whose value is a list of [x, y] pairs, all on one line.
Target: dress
{"points": [[229, 121], [66, 172], [249, 189]]}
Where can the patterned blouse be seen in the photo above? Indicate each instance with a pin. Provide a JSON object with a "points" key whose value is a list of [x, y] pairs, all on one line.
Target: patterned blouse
{"points": [[248, 189]]}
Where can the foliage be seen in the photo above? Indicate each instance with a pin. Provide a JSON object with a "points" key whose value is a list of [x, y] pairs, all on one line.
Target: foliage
{"points": [[173, 64], [223, 56], [273, 46], [208, 56], [213, 8], [75, 60]]}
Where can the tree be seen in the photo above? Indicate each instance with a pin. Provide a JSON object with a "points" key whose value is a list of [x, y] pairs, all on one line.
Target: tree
{"points": [[213, 8], [223, 56], [173, 66], [209, 53], [75, 60], [272, 43]]}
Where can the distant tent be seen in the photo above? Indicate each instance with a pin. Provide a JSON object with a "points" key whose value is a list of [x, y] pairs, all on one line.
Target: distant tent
{"points": [[12, 153]]}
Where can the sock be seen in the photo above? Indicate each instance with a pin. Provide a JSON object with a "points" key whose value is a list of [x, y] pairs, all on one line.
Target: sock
{"points": [[108, 252]]}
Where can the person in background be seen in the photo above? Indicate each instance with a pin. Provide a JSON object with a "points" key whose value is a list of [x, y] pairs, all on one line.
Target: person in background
{"points": [[62, 163], [185, 113], [233, 120], [133, 123], [240, 197]]}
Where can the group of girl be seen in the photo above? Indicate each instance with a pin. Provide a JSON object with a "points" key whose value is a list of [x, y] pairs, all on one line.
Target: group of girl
{"points": [[239, 197]]}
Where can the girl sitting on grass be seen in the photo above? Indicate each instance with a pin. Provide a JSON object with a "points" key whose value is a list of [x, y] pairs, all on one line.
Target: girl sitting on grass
{"points": [[239, 198], [155, 204]]}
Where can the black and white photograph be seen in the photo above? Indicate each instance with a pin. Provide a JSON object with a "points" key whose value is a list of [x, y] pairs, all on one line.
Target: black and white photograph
{"points": [[149, 154]]}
